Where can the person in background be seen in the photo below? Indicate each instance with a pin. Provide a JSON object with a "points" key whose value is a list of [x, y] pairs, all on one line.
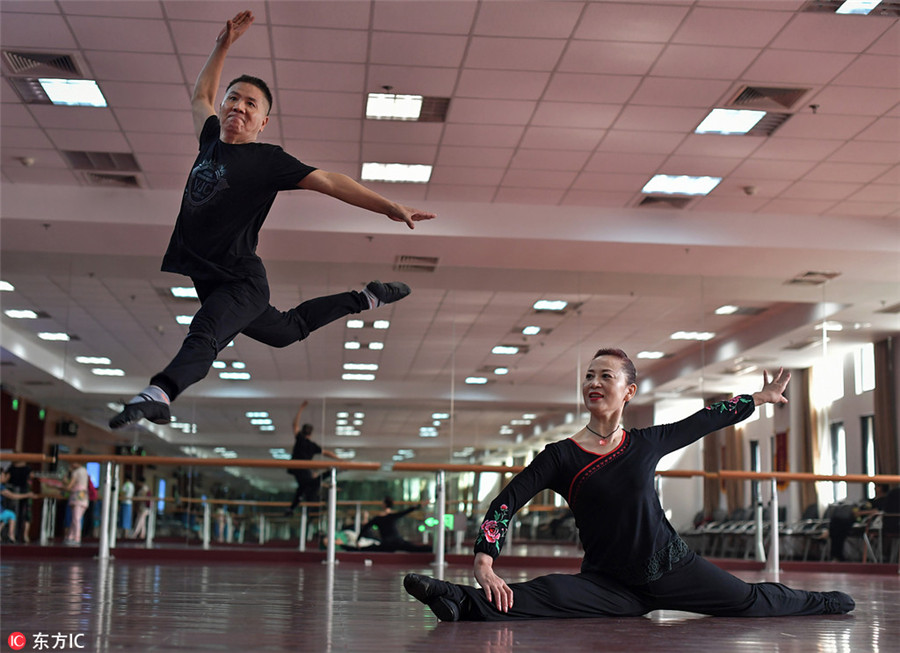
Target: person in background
{"points": [[7, 497], [308, 484], [383, 527], [78, 503], [126, 495], [142, 497]]}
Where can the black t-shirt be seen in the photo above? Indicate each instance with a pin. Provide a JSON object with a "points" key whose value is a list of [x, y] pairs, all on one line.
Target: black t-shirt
{"points": [[305, 449], [621, 523], [226, 200]]}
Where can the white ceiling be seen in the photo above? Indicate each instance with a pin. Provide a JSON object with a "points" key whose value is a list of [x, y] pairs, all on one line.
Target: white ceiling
{"points": [[559, 113]]}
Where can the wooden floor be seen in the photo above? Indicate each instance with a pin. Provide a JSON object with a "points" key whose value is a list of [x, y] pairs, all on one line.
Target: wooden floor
{"points": [[170, 605]]}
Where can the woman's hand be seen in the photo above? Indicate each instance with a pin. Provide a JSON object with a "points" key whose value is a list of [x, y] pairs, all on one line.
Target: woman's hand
{"points": [[496, 590], [773, 391]]}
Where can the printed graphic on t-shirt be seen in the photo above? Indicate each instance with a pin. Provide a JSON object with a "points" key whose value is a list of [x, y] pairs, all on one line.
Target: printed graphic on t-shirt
{"points": [[207, 179]]}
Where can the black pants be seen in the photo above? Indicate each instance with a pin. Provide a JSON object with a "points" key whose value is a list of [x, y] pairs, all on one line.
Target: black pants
{"points": [[307, 487], [695, 585], [230, 308]]}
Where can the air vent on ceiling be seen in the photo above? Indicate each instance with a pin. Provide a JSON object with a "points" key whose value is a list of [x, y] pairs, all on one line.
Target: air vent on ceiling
{"points": [[434, 109], [415, 263], [890, 310], [766, 98], [572, 306], [887, 8], [800, 345], [40, 64], [812, 278], [107, 161], [664, 202], [769, 124], [111, 181]]}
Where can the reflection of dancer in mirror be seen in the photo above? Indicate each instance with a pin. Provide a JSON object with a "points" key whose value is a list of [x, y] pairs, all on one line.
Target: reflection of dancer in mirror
{"points": [[228, 195], [383, 527], [634, 560], [308, 484]]}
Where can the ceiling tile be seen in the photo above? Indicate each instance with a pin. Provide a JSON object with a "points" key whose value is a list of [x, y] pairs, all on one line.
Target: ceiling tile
{"points": [[730, 27], [889, 42], [783, 67], [121, 34], [522, 178], [856, 100], [450, 175], [16, 115], [320, 76], [602, 89], [36, 175], [561, 138], [102, 8], [797, 149], [869, 70], [829, 32], [157, 143], [643, 164], [877, 193], [608, 57], [820, 190], [474, 135], [606, 181], [501, 84], [54, 117], [546, 197], [883, 129], [707, 62], [399, 131], [138, 95], [129, 66], [36, 32], [892, 176], [91, 141], [640, 142], [806, 124], [513, 54], [341, 14], [701, 166], [423, 49], [156, 120], [399, 153], [666, 119], [579, 197], [311, 152], [492, 112], [578, 115], [416, 80], [437, 17], [321, 104], [789, 206], [493, 157], [845, 172], [670, 91], [715, 145], [198, 38], [866, 152], [629, 22], [759, 168], [533, 19], [549, 159], [334, 46], [165, 162], [869, 209], [449, 193], [323, 129]]}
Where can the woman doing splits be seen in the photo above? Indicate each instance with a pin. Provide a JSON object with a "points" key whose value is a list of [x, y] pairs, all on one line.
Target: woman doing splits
{"points": [[634, 561]]}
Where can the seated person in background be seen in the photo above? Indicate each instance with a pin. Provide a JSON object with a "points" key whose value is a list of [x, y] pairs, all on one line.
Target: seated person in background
{"points": [[7, 515], [383, 527]]}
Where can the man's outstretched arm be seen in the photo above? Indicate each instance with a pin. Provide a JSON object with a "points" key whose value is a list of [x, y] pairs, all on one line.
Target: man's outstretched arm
{"points": [[204, 97], [347, 190]]}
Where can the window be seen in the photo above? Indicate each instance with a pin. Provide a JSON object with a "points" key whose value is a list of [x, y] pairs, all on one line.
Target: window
{"points": [[839, 459], [828, 381], [864, 368]]}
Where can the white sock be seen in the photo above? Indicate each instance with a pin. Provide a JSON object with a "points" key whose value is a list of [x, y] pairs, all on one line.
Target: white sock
{"points": [[150, 393], [374, 302]]}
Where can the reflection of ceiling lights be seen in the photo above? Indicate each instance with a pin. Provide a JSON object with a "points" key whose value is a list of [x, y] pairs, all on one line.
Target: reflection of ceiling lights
{"points": [[861, 7], [693, 335], [652, 355], [476, 380], [550, 305], [680, 185], [507, 350], [729, 121]]}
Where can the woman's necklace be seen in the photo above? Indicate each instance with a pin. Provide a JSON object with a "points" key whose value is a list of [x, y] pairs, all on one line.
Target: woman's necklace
{"points": [[603, 438]]}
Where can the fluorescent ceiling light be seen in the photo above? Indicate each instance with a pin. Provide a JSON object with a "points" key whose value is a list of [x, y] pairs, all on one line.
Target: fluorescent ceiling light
{"points": [[519, 422], [343, 414], [345, 454], [505, 350], [390, 106], [235, 376], [476, 380], [256, 413], [58, 337], [6, 285], [396, 172], [355, 324], [729, 121], [219, 365], [728, 309], [238, 365], [73, 92], [529, 416], [861, 7], [20, 314], [692, 335], [260, 421], [376, 345], [358, 377], [830, 325], [357, 422], [107, 371], [184, 319], [650, 354], [531, 330], [348, 431], [550, 305], [341, 422], [93, 360], [381, 324], [440, 415], [680, 185], [500, 371], [359, 414], [428, 432], [351, 345], [361, 367], [183, 292]]}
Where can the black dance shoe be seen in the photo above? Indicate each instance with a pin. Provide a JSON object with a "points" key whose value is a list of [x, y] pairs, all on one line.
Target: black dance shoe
{"points": [[155, 411], [837, 603], [436, 594], [390, 292]]}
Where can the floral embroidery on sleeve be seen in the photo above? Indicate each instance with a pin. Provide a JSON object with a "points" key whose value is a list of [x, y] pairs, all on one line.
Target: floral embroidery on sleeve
{"points": [[493, 530], [731, 405]]}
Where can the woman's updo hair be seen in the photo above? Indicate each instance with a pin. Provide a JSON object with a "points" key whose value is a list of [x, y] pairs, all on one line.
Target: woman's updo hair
{"points": [[627, 365]]}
